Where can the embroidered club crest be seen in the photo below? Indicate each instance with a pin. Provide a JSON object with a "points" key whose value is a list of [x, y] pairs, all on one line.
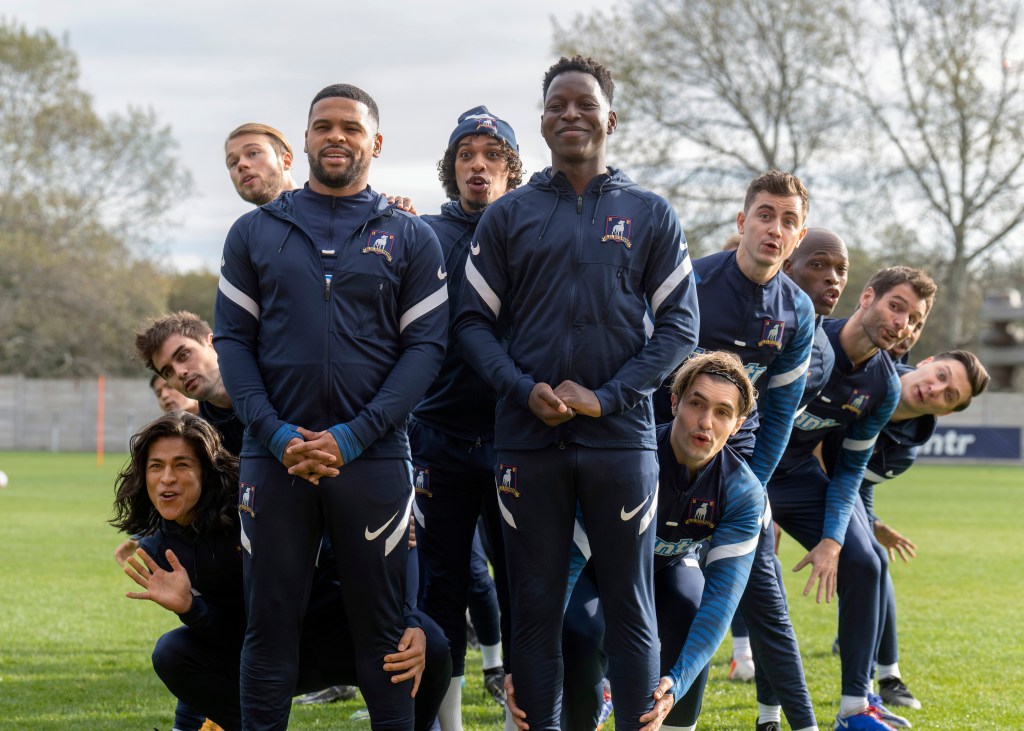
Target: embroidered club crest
{"points": [[506, 479], [421, 480], [771, 334], [857, 402], [701, 512], [380, 242], [247, 498], [618, 229]]}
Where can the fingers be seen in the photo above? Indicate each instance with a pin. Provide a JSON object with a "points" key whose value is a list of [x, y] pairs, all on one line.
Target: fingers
{"points": [[416, 684]]}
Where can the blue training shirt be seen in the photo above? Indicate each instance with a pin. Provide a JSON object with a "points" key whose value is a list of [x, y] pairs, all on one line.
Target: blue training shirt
{"points": [[857, 404]]}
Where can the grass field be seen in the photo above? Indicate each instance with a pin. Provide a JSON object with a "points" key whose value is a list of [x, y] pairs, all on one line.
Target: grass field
{"points": [[74, 653]]}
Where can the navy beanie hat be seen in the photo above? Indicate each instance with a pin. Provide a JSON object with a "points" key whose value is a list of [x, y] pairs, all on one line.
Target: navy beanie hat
{"points": [[479, 121]]}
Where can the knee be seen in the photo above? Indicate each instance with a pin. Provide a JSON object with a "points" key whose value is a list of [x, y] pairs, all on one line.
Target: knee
{"points": [[168, 656]]}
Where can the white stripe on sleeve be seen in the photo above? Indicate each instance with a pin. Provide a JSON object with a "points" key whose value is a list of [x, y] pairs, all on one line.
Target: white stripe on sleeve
{"points": [[680, 273], [422, 307], [859, 445], [784, 379], [731, 550], [239, 297], [482, 288]]}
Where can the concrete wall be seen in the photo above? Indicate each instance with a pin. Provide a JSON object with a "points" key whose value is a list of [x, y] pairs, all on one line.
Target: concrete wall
{"points": [[60, 415]]}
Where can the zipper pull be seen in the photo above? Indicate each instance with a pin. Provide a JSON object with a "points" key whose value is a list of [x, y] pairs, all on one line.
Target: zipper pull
{"points": [[327, 287], [579, 204]]}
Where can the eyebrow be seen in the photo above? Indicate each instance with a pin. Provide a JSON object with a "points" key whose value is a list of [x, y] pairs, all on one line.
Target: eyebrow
{"points": [[725, 404]]}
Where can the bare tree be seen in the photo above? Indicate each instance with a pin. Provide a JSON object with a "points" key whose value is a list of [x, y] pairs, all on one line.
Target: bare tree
{"points": [[951, 113], [714, 92]]}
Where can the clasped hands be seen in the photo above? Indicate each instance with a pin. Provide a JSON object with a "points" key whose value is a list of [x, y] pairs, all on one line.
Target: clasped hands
{"points": [[314, 456], [556, 406]]}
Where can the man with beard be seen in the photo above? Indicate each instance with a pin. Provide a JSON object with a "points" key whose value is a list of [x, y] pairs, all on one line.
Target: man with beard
{"points": [[567, 268], [452, 429], [330, 325], [818, 509], [259, 160]]}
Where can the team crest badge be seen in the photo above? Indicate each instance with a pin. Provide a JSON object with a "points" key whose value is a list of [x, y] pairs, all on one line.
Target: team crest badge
{"points": [[380, 242], [247, 498], [421, 480], [486, 123], [857, 402], [701, 512], [618, 229], [771, 334], [507, 482]]}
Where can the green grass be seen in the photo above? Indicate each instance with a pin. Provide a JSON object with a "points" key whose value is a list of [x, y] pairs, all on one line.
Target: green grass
{"points": [[74, 652]]}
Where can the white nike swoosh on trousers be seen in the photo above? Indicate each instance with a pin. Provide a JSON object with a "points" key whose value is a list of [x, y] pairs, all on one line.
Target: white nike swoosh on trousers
{"points": [[629, 516], [372, 535]]}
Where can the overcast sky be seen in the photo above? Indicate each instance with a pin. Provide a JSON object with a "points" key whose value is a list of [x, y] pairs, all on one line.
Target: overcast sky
{"points": [[206, 67]]}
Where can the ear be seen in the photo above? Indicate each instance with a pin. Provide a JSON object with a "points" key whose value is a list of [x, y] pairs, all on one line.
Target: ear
{"points": [[209, 340], [800, 238], [286, 161], [305, 141], [740, 220], [675, 403], [613, 121], [739, 423], [787, 267], [378, 143], [867, 296]]}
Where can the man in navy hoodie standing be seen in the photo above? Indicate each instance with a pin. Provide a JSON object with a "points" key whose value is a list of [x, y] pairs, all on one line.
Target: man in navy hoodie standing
{"points": [[331, 323], [567, 268], [452, 429]]}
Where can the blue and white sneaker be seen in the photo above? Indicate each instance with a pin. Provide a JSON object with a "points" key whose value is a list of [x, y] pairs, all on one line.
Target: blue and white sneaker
{"points": [[875, 701], [868, 720]]}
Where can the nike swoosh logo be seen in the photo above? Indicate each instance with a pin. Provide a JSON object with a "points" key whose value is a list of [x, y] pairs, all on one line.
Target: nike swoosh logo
{"points": [[629, 516], [441, 273], [890, 474], [474, 248], [372, 535]]}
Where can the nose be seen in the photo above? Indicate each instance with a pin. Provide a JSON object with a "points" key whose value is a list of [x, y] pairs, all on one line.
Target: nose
{"points": [[167, 476], [477, 163], [571, 112]]}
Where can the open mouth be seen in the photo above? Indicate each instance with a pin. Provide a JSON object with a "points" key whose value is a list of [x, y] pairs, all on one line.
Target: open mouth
{"points": [[478, 184]]}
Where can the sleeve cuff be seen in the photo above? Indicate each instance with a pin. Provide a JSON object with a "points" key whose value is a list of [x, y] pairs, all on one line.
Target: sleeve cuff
{"points": [[282, 436], [348, 443]]}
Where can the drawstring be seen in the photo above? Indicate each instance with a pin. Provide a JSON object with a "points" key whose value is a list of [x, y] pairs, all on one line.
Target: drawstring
{"points": [[550, 214], [600, 193]]}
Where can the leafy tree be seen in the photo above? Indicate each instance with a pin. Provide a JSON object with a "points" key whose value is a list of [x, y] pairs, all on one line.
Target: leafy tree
{"points": [[81, 198], [195, 292]]}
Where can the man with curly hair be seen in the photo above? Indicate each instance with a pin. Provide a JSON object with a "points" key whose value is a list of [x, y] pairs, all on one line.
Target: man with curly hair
{"points": [[563, 274], [452, 429]]}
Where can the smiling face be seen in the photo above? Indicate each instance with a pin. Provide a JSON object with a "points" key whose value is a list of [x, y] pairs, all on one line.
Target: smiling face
{"points": [[257, 171], [174, 480], [341, 141], [191, 367], [481, 171], [935, 387], [770, 230], [576, 121], [705, 416]]}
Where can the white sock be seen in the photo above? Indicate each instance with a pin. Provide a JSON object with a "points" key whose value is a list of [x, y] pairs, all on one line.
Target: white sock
{"points": [[740, 646], [491, 655], [889, 671], [850, 705], [449, 715], [768, 713], [666, 727]]}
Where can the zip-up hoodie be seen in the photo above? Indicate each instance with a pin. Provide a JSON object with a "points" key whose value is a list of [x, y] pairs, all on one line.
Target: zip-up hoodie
{"points": [[352, 352], [575, 276], [459, 403]]}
